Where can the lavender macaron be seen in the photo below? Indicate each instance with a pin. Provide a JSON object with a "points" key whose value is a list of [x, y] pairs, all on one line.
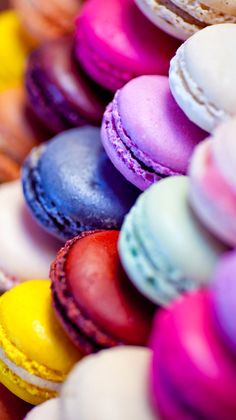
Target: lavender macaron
{"points": [[145, 133]]}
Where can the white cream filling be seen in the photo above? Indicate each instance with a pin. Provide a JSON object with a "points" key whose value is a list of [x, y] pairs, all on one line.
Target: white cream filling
{"points": [[28, 377]]}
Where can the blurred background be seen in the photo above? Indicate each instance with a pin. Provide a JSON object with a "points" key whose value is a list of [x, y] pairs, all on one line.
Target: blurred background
{"points": [[3, 4]]}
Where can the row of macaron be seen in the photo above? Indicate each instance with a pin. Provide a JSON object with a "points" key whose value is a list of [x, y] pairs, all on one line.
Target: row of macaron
{"points": [[186, 369]]}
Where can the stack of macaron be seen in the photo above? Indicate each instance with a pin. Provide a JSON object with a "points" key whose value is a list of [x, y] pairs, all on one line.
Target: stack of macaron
{"points": [[113, 279]]}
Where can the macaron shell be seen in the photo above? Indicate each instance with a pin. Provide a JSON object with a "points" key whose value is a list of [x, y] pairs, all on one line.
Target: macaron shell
{"points": [[104, 292], [48, 410], [108, 33], [214, 46], [200, 368], [227, 7], [35, 326], [26, 251], [117, 379]]}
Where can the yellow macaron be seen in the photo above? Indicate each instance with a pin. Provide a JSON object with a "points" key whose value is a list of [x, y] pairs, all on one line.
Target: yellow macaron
{"points": [[35, 353], [15, 46]]}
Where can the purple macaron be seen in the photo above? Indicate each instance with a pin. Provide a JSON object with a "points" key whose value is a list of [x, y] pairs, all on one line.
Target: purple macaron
{"points": [[60, 93], [145, 133]]}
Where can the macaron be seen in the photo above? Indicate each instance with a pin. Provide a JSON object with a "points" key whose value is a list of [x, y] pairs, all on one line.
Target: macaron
{"points": [[213, 182], [48, 19], [116, 380], [20, 130], [48, 410], [11, 407], [26, 250], [153, 141], [182, 19], [95, 302], [115, 43], [59, 91], [223, 295], [163, 247], [70, 185], [193, 371], [15, 46], [206, 93], [35, 354]]}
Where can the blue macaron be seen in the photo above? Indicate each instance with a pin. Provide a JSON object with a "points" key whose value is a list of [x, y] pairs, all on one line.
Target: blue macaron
{"points": [[70, 185]]}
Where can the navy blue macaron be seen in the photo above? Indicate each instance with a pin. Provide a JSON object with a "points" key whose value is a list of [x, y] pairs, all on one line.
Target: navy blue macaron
{"points": [[70, 185]]}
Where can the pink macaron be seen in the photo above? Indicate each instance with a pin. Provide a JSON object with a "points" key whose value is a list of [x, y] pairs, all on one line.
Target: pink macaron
{"points": [[115, 43], [145, 133], [193, 372], [213, 182]]}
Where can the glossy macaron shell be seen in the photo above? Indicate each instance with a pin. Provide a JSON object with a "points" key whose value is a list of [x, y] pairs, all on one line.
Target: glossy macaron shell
{"points": [[191, 363], [111, 49], [71, 186], [156, 139], [59, 91], [98, 299]]}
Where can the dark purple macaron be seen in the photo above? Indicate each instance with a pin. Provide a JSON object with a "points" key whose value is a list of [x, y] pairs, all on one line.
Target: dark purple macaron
{"points": [[60, 93]]}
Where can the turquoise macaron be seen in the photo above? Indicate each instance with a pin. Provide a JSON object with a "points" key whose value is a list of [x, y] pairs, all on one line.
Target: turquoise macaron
{"points": [[163, 247]]}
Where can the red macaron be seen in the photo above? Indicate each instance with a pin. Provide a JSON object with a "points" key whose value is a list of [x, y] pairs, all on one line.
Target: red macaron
{"points": [[93, 298]]}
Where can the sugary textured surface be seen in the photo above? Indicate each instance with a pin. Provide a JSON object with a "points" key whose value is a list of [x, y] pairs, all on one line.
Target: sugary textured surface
{"points": [[154, 140], [96, 304], [182, 18], [13, 53], [213, 190], [49, 410], [206, 93], [32, 342], [116, 380], [112, 50], [59, 91], [26, 250], [193, 373], [71, 186], [48, 19], [11, 407], [163, 247]]}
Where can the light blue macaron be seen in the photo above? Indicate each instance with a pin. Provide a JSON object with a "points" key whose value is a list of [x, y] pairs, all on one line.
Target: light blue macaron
{"points": [[163, 247]]}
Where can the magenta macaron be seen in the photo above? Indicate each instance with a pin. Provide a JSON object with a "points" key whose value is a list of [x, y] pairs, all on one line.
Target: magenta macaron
{"points": [[193, 368], [115, 43], [145, 133]]}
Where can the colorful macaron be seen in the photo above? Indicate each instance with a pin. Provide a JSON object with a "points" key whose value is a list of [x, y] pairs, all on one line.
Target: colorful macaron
{"points": [[20, 130], [71, 186], [95, 302], [213, 182], [115, 43], [193, 369], [26, 250], [116, 380], [59, 92], [164, 248], [153, 141], [15, 46], [50, 410], [48, 19], [182, 19], [35, 354], [206, 93]]}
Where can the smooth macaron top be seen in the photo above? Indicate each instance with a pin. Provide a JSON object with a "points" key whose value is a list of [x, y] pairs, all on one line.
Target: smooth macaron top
{"points": [[49, 410], [117, 380], [70, 185], [157, 128], [110, 34], [29, 324], [223, 291], [98, 299], [192, 369]]}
